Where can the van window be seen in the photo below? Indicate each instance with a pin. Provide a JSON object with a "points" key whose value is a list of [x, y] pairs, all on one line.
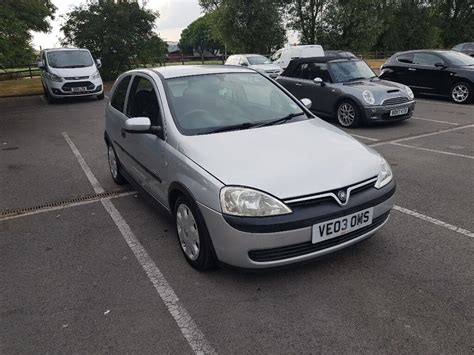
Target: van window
{"points": [[118, 99], [69, 59], [143, 102]]}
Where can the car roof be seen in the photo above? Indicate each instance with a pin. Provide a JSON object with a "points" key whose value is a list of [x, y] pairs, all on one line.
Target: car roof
{"points": [[177, 71], [425, 51], [64, 49], [323, 59]]}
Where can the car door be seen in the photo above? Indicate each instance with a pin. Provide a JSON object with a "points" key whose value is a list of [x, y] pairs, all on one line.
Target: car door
{"points": [[401, 70], [115, 120], [428, 77], [147, 149]]}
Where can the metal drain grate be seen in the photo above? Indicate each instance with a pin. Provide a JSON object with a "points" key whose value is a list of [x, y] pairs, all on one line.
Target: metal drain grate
{"points": [[91, 197]]}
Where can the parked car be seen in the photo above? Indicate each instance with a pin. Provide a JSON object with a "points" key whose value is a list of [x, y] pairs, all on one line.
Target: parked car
{"points": [[348, 90], [466, 48], [338, 53], [252, 178], [439, 72], [68, 72], [283, 56], [257, 62]]}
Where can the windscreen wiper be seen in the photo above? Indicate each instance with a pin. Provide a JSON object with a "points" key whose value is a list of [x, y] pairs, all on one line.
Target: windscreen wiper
{"points": [[281, 120], [235, 127]]}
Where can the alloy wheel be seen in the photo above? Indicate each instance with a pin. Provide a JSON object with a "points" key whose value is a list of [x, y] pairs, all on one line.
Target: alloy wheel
{"points": [[460, 93], [188, 232], [112, 162], [346, 114]]}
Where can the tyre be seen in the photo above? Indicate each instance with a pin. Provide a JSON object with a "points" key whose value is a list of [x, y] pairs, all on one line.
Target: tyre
{"points": [[193, 236], [48, 97], [100, 97], [461, 93], [348, 114], [114, 166]]}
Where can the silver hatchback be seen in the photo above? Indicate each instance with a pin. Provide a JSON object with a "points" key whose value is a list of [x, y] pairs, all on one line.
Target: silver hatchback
{"points": [[251, 177]]}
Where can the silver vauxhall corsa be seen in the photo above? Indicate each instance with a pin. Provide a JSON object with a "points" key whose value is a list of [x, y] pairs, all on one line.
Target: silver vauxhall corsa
{"points": [[252, 178]]}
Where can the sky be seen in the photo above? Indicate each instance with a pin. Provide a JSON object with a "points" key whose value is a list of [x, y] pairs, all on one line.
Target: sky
{"points": [[175, 15]]}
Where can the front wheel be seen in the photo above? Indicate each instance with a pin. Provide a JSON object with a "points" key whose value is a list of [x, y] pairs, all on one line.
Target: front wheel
{"points": [[193, 236], [47, 96], [100, 97], [348, 114], [461, 93], [114, 166]]}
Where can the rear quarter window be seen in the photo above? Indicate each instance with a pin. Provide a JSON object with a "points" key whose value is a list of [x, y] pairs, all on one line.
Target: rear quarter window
{"points": [[118, 98], [406, 58]]}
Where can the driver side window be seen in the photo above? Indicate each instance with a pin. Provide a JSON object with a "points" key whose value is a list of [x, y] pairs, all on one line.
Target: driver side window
{"points": [[143, 102], [426, 59]]}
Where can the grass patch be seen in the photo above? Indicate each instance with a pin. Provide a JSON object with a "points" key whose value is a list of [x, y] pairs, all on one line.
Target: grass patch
{"points": [[21, 87], [375, 63]]}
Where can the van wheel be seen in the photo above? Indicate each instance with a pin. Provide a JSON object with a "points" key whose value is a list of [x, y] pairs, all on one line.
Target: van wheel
{"points": [[348, 114], [100, 97], [461, 93], [48, 97], [114, 166], [193, 235]]}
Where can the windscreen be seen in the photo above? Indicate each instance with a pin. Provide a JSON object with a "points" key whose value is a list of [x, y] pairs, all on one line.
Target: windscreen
{"points": [[206, 103], [257, 59], [70, 59], [457, 58], [350, 71]]}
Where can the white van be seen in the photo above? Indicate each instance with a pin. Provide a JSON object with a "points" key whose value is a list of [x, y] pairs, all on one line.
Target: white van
{"points": [[70, 72], [282, 57]]}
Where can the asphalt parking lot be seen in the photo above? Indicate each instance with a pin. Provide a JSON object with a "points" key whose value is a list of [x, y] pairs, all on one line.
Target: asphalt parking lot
{"points": [[87, 267]]}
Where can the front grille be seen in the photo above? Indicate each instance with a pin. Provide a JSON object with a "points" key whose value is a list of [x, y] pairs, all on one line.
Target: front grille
{"points": [[324, 196], [395, 101], [78, 84], [76, 77], [291, 251]]}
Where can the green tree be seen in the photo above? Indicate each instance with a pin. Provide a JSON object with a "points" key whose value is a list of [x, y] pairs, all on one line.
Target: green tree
{"points": [[201, 36], [17, 19], [456, 21], [118, 33], [304, 16], [249, 25]]}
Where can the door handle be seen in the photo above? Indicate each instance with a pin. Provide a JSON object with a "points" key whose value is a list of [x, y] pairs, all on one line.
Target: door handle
{"points": [[411, 69], [299, 84]]}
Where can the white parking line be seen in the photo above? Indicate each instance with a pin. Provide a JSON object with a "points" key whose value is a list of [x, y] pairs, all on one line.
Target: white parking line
{"points": [[437, 121], [435, 221], [107, 97], [186, 324], [434, 150], [368, 138], [397, 140]]}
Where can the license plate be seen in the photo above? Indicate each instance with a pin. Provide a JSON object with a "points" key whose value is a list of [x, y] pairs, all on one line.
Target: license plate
{"points": [[399, 111], [80, 89], [342, 225]]}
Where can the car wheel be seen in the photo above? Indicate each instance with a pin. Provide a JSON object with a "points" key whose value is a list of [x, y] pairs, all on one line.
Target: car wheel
{"points": [[114, 166], [348, 114], [48, 97], [193, 236], [461, 93], [100, 97]]}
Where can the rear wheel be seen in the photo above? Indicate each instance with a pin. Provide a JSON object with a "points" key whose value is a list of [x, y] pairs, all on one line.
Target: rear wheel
{"points": [[114, 166], [348, 114], [193, 236], [461, 93]]}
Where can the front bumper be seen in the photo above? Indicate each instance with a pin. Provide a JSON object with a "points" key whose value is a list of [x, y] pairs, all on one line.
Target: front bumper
{"points": [[282, 240], [67, 88], [382, 113]]}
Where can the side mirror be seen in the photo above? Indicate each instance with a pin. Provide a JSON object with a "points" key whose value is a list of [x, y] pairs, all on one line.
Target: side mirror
{"points": [[137, 125], [440, 65], [319, 81], [98, 63], [307, 103], [244, 64], [41, 64]]}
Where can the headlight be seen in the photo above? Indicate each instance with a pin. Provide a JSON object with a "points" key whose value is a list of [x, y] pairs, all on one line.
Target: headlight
{"points": [[53, 77], [96, 75], [409, 92], [368, 97], [385, 174], [241, 201]]}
